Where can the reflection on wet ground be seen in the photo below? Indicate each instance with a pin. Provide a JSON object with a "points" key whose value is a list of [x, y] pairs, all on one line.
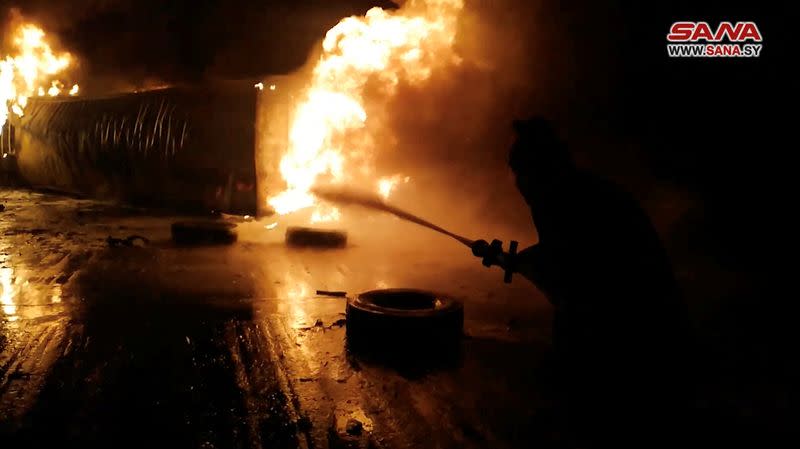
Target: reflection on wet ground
{"points": [[231, 347]]}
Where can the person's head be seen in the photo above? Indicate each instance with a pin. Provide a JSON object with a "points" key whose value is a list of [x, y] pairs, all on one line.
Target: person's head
{"points": [[538, 156]]}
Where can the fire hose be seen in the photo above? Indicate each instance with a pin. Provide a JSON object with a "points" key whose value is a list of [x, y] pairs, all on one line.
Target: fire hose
{"points": [[491, 253]]}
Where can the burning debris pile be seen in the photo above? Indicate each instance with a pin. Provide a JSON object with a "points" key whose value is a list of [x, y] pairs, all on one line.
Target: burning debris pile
{"points": [[363, 62], [32, 69]]}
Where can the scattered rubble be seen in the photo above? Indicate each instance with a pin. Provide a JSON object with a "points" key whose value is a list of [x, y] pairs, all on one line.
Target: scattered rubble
{"points": [[338, 294], [129, 241], [338, 323], [192, 233], [319, 324], [354, 427]]}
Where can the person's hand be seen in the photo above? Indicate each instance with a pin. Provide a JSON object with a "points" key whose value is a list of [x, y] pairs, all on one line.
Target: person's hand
{"points": [[491, 253], [481, 248]]}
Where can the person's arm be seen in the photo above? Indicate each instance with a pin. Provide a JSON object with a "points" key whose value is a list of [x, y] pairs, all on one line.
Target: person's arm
{"points": [[531, 264]]}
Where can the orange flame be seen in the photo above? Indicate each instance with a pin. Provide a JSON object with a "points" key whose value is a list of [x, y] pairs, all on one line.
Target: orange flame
{"points": [[388, 184], [25, 73], [381, 50]]}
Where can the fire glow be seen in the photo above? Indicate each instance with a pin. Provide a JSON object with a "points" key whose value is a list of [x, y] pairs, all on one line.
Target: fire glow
{"points": [[30, 70], [328, 141]]}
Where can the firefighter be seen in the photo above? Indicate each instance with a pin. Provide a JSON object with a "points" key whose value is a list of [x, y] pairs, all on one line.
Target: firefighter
{"points": [[620, 328]]}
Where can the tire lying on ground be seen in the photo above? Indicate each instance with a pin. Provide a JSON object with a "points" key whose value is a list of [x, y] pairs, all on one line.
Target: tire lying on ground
{"points": [[403, 319], [316, 238], [208, 232]]}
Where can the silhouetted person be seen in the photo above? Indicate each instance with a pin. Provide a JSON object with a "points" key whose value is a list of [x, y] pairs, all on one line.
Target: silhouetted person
{"points": [[620, 326]]}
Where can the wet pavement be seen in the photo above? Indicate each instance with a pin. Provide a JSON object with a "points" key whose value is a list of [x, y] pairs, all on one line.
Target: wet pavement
{"points": [[216, 347]]}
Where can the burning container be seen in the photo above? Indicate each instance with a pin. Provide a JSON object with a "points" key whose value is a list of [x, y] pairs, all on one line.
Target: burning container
{"points": [[186, 148]]}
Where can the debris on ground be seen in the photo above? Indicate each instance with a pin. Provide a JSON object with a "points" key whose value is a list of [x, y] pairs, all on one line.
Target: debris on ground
{"points": [[129, 241], [319, 324], [236, 218], [338, 323], [191, 233], [512, 324], [18, 374], [2, 207], [354, 427], [304, 424], [337, 294]]}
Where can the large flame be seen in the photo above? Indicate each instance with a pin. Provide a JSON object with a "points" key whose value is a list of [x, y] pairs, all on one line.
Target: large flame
{"points": [[30, 70], [328, 140]]}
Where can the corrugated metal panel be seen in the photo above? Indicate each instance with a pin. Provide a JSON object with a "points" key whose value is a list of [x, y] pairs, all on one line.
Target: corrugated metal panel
{"points": [[184, 147]]}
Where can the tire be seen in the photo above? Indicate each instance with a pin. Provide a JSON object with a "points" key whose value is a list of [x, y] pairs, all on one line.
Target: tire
{"points": [[192, 233], [316, 238], [405, 320]]}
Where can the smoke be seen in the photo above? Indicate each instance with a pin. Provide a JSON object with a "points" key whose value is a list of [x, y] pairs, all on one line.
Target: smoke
{"points": [[451, 134], [130, 44], [72, 26], [626, 111], [596, 69], [572, 65]]}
